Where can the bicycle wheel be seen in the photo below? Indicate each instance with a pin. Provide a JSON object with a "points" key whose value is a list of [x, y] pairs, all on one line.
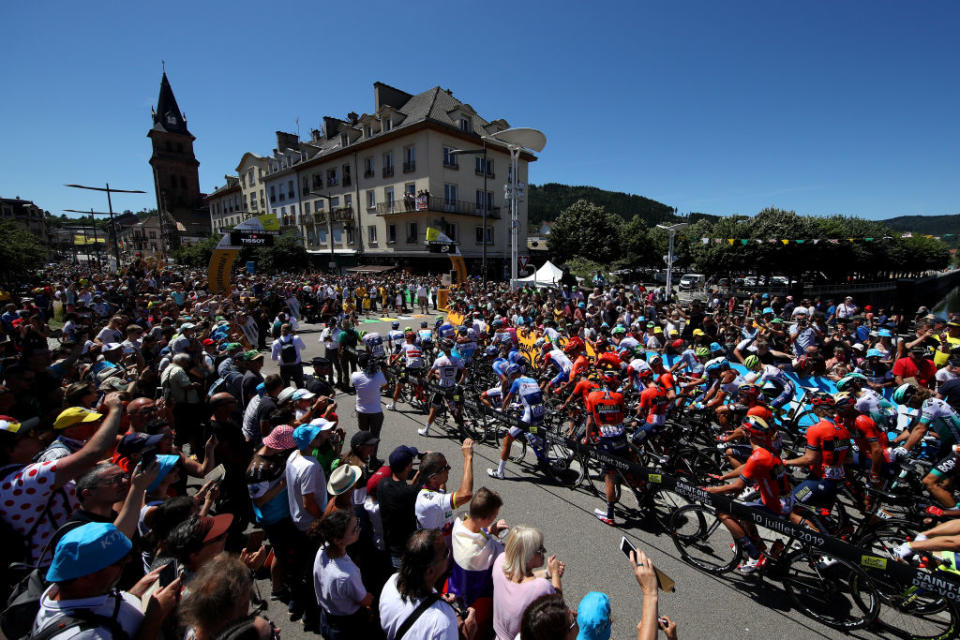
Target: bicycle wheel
{"points": [[518, 450], [832, 591], [702, 539], [593, 476], [565, 465], [909, 612]]}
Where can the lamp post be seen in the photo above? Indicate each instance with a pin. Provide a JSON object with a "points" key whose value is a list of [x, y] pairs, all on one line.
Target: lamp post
{"points": [[517, 139], [672, 230], [328, 198], [108, 190], [486, 202]]}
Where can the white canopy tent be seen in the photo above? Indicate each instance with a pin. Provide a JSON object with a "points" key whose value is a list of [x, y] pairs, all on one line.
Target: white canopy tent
{"points": [[549, 275]]}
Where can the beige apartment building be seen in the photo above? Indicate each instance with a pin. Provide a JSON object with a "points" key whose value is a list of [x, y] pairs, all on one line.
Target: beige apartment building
{"points": [[366, 190], [226, 206]]}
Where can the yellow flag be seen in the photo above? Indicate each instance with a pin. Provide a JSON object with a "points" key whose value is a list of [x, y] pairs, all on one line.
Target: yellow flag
{"points": [[785, 241], [432, 234]]}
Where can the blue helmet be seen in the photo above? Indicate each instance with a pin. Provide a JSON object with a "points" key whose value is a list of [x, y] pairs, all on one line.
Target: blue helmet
{"points": [[513, 370], [395, 325], [717, 365], [516, 357], [491, 350]]}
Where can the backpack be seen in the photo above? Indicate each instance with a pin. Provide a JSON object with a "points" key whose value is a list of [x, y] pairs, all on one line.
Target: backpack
{"points": [[288, 351], [81, 618]]}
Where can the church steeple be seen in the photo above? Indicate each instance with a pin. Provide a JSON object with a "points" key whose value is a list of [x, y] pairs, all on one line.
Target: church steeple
{"points": [[167, 116]]}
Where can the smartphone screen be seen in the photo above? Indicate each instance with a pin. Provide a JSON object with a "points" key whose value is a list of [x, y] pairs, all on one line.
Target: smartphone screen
{"points": [[168, 574], [664, 581]]}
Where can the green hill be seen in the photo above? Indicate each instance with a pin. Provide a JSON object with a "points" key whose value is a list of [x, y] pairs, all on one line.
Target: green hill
{"points": [[547, 201], [933, 225]]}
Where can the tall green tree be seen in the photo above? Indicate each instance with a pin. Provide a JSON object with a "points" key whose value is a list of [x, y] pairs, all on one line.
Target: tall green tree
{"points": [[587, 230], [20, 250]]}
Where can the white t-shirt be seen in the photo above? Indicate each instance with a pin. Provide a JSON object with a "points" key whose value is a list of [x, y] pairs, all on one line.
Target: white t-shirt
{"points": [[438, 622], [372, 507], [368, 390], [474, 551], [337, 583], [304, 476], [129, 615], [434, 510], [278, 344]]}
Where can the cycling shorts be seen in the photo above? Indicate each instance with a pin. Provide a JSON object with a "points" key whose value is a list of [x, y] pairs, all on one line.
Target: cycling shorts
{"points": [[817, 492], [450, 395], [615, 446], [946, 468], [531, 422], [560, 378], [494, 393], [786, 506], [739, 451], [412, 372], [785, 396]]}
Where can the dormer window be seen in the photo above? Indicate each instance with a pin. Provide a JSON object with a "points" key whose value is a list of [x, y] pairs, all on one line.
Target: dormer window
{"points": [[465, 125], [367, 131], [387, 124], [344, 139]]}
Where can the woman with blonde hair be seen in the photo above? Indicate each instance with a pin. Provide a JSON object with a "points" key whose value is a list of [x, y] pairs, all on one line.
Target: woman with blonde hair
{"points": [[219, 599], [518, 581]]}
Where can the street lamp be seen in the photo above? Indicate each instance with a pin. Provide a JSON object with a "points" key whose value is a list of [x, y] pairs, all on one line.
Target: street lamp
{"points": [[672, 230], [116, 245], [486, 203], [517, 139]]}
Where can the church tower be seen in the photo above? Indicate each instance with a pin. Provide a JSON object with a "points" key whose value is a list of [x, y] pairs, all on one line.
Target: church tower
{"points": [[176, 178]]}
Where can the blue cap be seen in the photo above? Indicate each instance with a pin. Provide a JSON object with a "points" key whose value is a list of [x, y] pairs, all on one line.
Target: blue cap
{"points": [[401, 457], [166, 463], [884, 333], [767, 309], [715, 346], [307, 433], [87, 549], [593, 616]]}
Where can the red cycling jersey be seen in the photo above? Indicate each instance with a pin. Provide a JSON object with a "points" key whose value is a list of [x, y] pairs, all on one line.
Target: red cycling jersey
{"points": [[655, 402], [665, 381], [584, 387], [832, 440], [580, 366], [864, 431], [765, 469], [606, 407]]}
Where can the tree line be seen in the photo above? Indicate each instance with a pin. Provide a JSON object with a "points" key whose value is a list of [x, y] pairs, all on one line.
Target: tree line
{"points": [[588, 234]]}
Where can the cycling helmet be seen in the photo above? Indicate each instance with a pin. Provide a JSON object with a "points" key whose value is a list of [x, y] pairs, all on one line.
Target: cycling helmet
{"points": [[513, 370], [843, 401], [446, 344], [439, 321], [758, 427], [491, 350], [640, 351], [702, 352], [624, 354], [406, 329], [497, 323], [904, 393], [822, 399], [717, 365], [645, 374], [655, 359], [573, 346], [874, 353], [539, 343], [517, 358], [770, 390], [753, 363], [394, 325], [761, 412], [852, 381], [462, 330], [610, 376], [749, 390], [423, 325]]}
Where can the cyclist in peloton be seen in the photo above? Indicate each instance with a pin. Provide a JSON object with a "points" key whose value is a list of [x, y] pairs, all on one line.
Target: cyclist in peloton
{"points": [[873, 449], [466, 344], [764, 373], [413, 365], [449, 372], [605, 414], [828, 445], [425, 336], [652, 409], [868, 401], [395, 338], [937, 414], [525, 389], [765, 470], [558, 362]]}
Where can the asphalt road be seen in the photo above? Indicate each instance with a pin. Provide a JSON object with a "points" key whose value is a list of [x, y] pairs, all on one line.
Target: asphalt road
{"points": [[704, 607]]}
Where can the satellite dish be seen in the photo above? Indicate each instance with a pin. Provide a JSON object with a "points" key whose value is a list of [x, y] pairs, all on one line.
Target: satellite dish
{"points": [[521, 137]]}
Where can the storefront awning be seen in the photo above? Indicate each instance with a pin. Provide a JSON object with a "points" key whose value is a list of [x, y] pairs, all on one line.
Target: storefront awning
{"points": [[372, 268]]}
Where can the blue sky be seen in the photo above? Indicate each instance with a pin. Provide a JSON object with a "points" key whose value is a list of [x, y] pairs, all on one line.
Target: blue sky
{"points": [[721, 107]]}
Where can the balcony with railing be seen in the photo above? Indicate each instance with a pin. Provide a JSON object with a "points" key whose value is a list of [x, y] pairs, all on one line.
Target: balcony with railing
{"points": [[433, 204], [342, 214]]}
